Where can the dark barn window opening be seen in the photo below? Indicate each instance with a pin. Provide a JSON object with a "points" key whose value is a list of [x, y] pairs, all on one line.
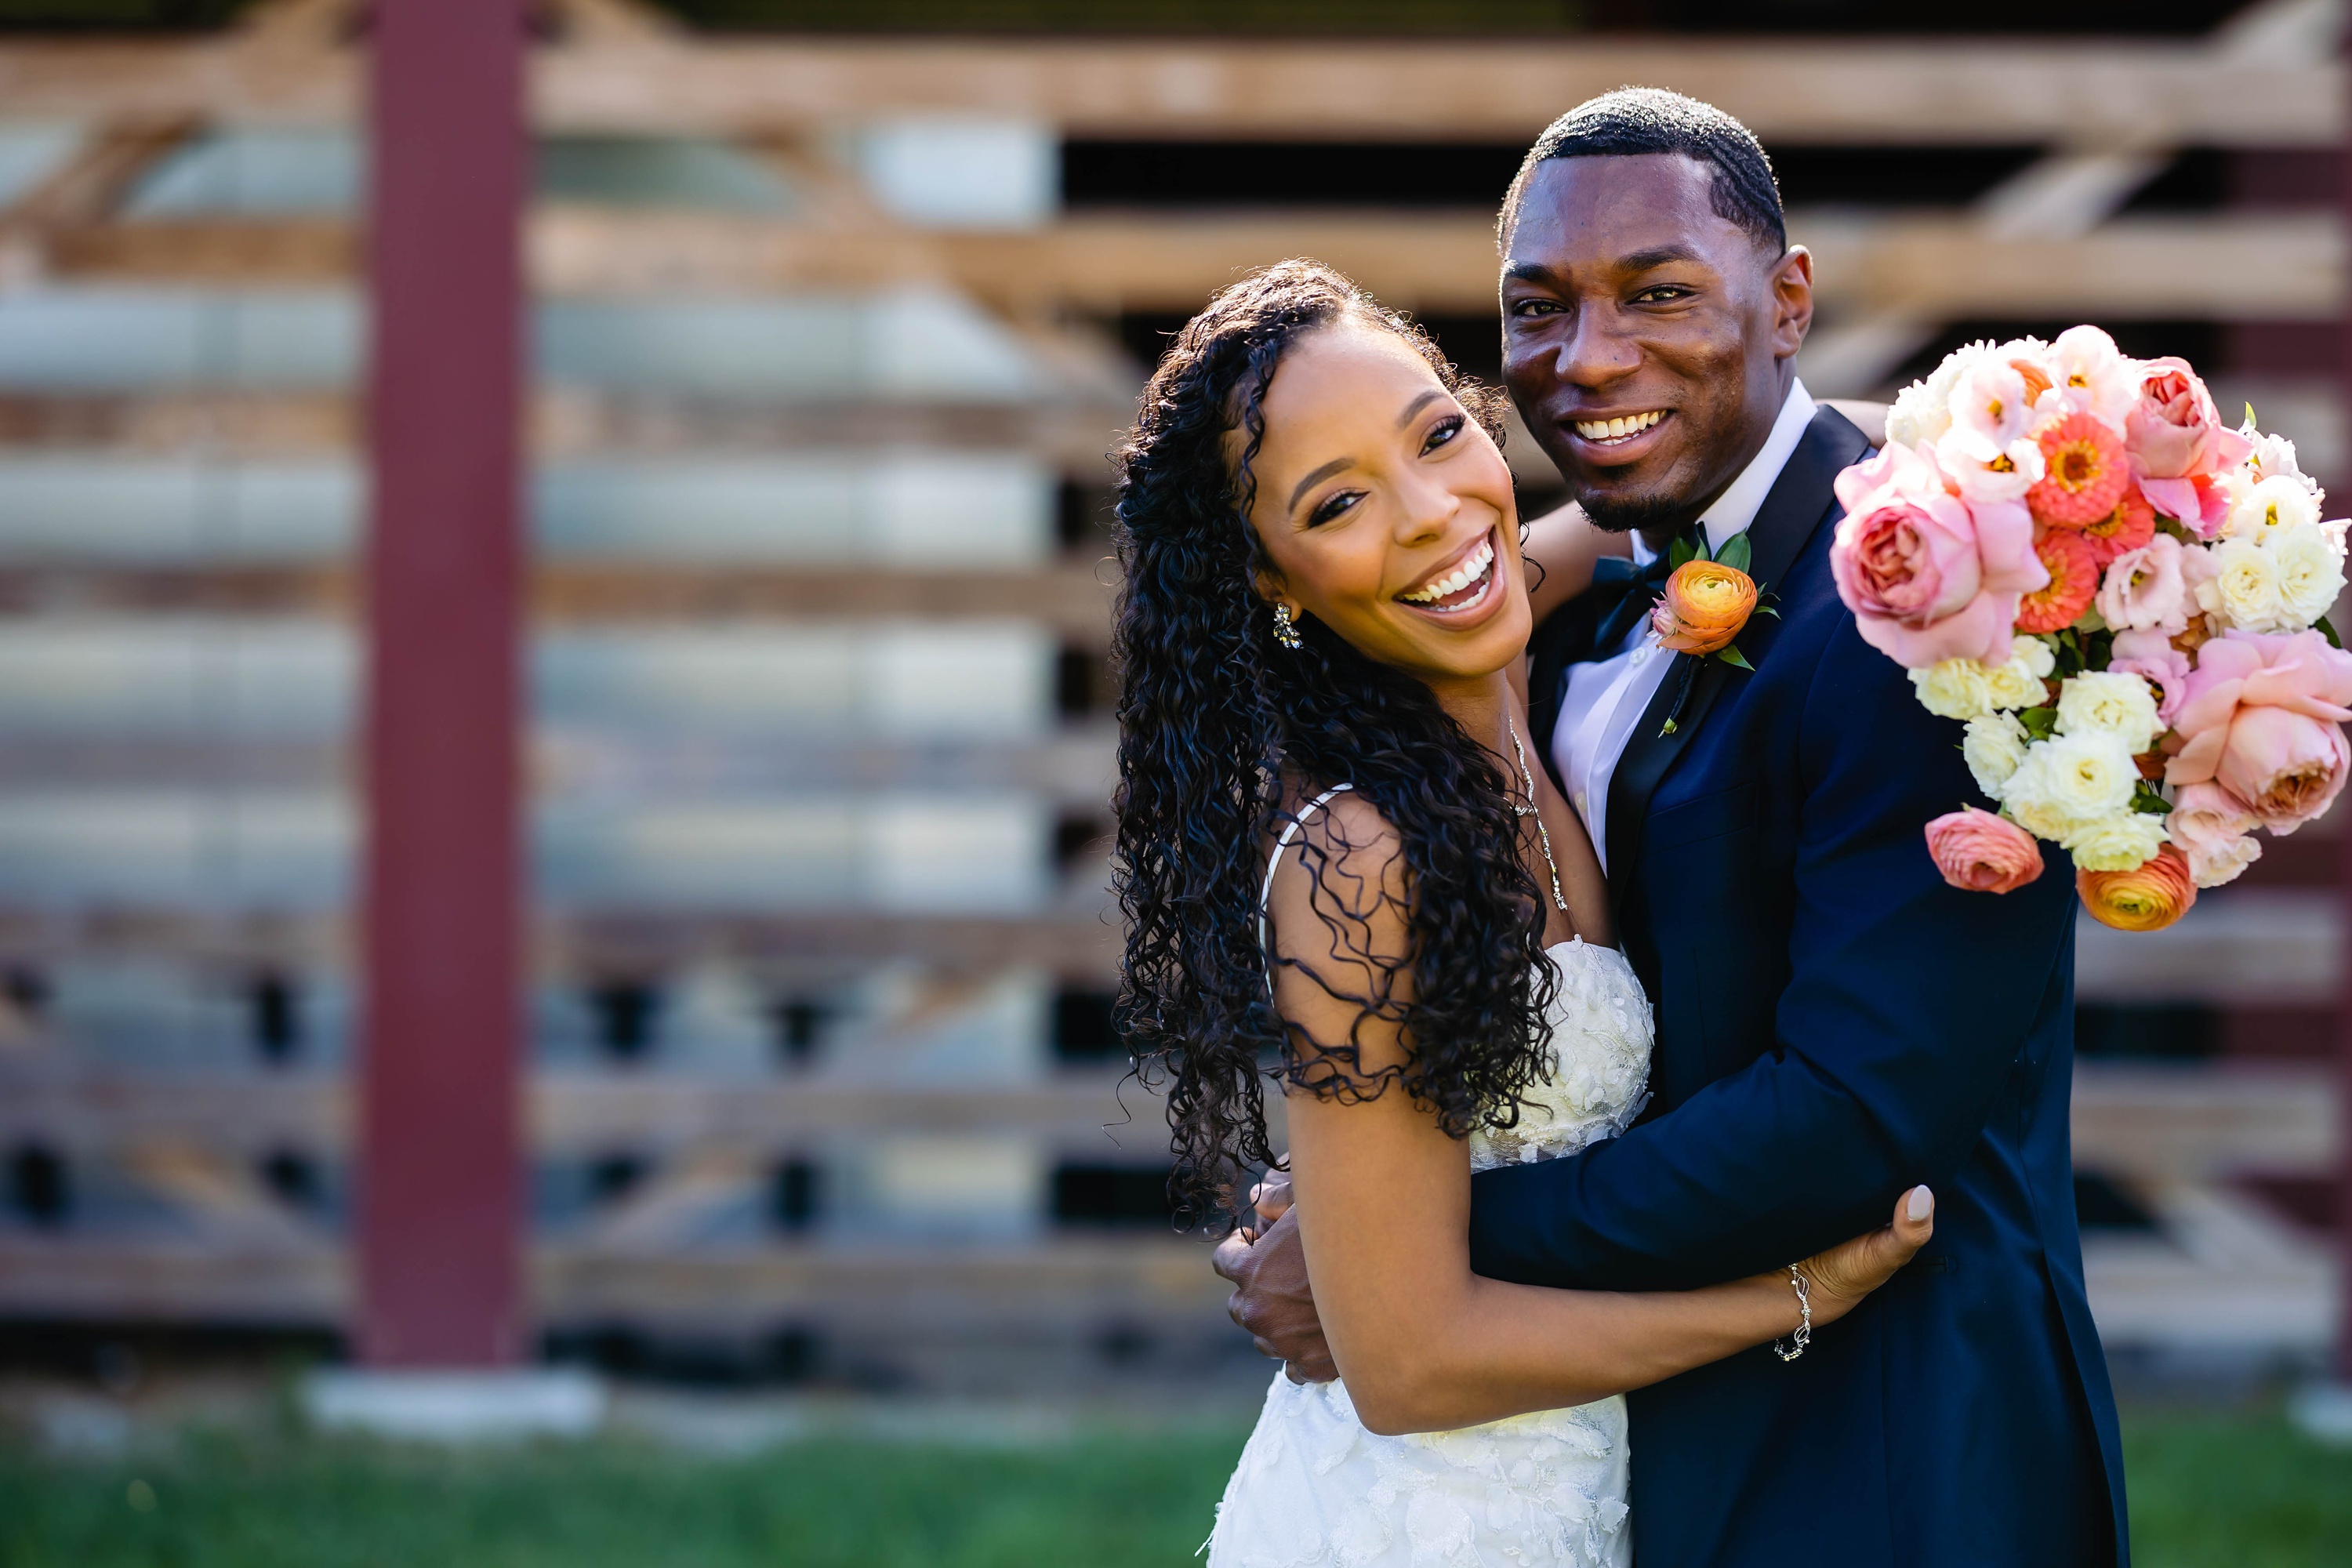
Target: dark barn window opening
{"points": [[1114, 1195], [796, 1195]]}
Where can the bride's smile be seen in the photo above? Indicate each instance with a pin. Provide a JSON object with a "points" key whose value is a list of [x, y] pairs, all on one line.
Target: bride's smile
{"points": [[1464, 587]]}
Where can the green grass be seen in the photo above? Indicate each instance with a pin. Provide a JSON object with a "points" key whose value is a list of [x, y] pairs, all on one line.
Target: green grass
{"points": [[220, 1502], [2243, 1491], [2240, 1490]]}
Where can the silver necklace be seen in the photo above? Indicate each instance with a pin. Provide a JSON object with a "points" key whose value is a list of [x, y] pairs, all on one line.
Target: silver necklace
{"points": [[1542, 832]]}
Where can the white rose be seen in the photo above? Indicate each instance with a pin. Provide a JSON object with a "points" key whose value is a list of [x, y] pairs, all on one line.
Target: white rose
{"points": [[2274, 457], [2069, 781], [1955, 688], [1923, 410], [2018, 683], [2109, 703], [1995, 744], [2310, 569], [2241, 587], [2280, 501], [2120, 843]]}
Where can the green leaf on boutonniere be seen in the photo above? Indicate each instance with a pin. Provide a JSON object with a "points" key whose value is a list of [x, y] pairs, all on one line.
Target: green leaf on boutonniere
{"points": [[1682, 552], [1733, 657], [1735, 553]]}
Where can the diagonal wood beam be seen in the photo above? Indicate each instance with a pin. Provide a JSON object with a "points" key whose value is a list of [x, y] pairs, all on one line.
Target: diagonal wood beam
{"points": [[86, 189], [2063, 196]]}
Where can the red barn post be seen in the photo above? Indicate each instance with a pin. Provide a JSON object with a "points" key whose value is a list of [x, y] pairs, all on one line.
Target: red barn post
{"points": [[441, 1210], [2343, 880], [2341, 1365]]}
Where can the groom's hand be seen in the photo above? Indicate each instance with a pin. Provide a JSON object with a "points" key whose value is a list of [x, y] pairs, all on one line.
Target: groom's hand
{"points": [[1271, 1300]]}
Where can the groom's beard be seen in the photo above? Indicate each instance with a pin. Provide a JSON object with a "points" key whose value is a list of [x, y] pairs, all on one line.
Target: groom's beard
{"points": [[1644, 514]]}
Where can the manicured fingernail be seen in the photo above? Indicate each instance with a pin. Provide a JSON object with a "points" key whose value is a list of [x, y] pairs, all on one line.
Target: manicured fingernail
{"points": [[1921, 1204]]}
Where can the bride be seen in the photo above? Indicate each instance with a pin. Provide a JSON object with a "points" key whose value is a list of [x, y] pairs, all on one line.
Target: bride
{"points": [[1340, 871]]}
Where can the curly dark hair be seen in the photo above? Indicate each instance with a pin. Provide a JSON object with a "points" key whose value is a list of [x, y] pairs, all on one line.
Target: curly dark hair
{"points": [[1224, 734]]}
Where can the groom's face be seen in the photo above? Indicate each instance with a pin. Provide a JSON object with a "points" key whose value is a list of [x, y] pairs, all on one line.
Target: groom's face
{"points": [[1646, 340]]}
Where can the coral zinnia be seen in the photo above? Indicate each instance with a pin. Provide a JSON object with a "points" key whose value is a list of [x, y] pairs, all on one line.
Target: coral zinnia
{"points": [[2129, 526], [2074, 582], [2083, 473]]}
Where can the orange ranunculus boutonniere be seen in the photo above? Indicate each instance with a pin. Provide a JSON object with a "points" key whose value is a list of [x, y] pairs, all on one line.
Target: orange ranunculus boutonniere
{"points": [[1707, 601]]}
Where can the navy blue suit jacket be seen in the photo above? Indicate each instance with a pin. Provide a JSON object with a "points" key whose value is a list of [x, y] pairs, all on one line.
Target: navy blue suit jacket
{"points": [[1834, 1024]]}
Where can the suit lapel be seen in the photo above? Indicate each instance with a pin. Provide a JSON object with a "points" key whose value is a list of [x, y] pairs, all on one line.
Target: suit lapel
{"points": [[1797, 503]]}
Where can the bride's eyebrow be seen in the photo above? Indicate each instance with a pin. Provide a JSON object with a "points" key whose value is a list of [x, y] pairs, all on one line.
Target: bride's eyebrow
{"points": [[1335, 466], [1417, 404]]}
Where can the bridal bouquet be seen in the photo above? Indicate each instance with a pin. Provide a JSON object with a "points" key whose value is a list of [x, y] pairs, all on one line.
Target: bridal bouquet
{"points": [[2124, 602]]}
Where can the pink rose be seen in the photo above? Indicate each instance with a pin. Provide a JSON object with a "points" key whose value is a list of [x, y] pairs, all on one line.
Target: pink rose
{"points": [[2151, 655], [2260, 716], [2143, 589], [2176, 439], [1929, 577], [2214, 829], [2173, 431], [1980, 853]]}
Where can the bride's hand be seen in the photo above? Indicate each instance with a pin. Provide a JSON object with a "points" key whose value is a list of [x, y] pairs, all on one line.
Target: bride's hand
{"points": [[1839, 1277]]}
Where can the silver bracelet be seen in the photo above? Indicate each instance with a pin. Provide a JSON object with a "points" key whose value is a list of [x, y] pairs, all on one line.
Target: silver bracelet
{"points": [[1804, 1334]]}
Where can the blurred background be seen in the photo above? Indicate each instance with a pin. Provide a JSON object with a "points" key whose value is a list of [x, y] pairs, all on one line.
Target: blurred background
{"points": [[835, 310]]}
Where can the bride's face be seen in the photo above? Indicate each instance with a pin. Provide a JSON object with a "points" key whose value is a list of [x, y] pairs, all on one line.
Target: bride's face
{"points": [[1386, 512]]}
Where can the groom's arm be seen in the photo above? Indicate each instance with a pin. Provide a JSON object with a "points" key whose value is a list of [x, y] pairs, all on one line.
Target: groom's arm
{"points": [[1906, 1011]]}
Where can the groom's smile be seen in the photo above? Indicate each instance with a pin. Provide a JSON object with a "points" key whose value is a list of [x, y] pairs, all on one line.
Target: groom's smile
{"points": [[1647, 339]]}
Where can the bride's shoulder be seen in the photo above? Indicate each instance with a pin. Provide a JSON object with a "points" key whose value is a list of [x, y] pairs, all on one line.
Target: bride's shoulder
{"points": [[1336, 826], [1337, 852]]}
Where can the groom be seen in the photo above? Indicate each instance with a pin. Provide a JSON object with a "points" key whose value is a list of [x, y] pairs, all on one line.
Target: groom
{"points": [[1834, 1022]]}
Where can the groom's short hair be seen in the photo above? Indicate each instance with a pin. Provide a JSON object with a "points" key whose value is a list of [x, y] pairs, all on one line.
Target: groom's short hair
{"points": [[1634, 121]]}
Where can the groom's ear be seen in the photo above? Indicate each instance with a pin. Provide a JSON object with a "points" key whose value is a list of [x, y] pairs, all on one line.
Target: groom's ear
{"points": [[1793, 300]]}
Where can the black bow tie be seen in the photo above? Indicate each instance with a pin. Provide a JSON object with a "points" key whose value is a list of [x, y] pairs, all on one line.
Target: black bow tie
{"points": [[1638, 589]]}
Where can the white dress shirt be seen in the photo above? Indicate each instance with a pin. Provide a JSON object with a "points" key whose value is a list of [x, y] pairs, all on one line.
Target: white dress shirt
{"points": [[1606, 698]]}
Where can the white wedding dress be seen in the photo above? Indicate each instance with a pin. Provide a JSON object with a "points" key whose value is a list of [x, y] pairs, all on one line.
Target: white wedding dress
{"points": [[1313, 1488]]}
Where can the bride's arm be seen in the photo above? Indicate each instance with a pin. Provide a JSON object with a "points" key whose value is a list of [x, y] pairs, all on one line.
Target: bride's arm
{"points": [[1383, 1204], [1560, 548]]}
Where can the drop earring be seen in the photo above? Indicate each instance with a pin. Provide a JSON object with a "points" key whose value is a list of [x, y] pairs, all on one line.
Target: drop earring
{"points": [[1285, 632]]}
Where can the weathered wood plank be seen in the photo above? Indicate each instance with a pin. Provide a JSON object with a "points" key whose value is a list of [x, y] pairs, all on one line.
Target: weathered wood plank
{"points": [[1076, 768], [84, 1110], [1072, 434], [1075, 600], [2194, 1123], [2228, 269], [1795, 90], [2134, 1121], [1081, 946], [1064, 1285]]}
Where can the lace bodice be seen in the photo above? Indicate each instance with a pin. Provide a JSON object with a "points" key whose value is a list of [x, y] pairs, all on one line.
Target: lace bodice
{"points": [[1314, 1489], [1600, 1036]]}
